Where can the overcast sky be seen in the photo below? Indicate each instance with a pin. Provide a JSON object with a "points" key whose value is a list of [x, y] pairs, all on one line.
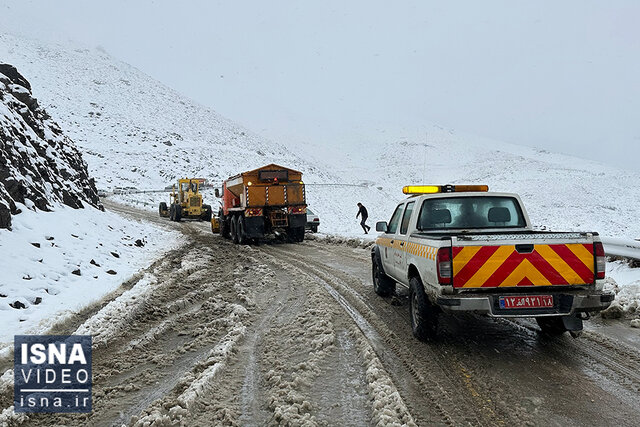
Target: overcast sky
{"points": [[561, 75]]}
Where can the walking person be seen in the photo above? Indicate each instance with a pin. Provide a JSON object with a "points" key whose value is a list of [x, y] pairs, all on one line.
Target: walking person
{"points": [[363, 214]]}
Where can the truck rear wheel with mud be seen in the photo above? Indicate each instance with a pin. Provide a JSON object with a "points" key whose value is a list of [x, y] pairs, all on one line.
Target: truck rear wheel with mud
{"points": [[224, 226], [241, 231], [234, 229], [383, 285], [295, 234], [424, 315]]}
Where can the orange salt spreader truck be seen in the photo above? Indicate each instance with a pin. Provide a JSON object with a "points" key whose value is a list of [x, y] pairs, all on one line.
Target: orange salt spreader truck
{"points": [[267, 200]]}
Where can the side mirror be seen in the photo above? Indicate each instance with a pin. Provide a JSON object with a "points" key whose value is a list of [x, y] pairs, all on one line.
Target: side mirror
{"points": [[217, 192], [381, 226]]}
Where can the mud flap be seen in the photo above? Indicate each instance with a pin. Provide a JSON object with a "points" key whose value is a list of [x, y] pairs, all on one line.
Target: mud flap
{"points": [[572, 323]]}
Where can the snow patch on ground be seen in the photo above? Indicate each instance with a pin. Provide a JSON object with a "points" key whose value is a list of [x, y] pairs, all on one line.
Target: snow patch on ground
{"points": [[39, 257], [117, 315], [216, 361], [624, 280], [388, 407]]}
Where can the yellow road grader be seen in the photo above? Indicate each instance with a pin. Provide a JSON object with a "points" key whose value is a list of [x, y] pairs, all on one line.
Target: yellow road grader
{"points": [[185, 201]]}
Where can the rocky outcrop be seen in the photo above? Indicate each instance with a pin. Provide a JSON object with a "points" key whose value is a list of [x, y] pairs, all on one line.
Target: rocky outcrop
{"points": [[39, 166]]}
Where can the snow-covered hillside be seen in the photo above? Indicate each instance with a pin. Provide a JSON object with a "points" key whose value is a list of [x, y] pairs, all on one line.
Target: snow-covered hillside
{"points": [[58, 251], [134, 130], [39, 165], [137, 132], [560, 192]]}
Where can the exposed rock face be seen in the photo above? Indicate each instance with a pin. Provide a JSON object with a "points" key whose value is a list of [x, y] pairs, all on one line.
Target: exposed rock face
{"points": [[39, 166]]}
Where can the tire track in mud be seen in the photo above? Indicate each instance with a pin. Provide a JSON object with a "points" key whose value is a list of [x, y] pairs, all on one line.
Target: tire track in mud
{"points": [[610, 361], [388, 407], [310, 341], [166, 335], [443, 403], [287, 367], [503, 401]]}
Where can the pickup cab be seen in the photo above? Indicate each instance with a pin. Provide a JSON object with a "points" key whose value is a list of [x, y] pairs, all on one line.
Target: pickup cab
{"points": [[464, 249]]}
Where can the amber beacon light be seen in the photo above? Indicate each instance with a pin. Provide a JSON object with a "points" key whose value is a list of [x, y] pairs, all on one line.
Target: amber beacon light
{"points": [[429, 189]]}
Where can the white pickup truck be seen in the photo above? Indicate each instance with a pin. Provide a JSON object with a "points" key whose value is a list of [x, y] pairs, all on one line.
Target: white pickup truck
{"points": [[463, 249]]}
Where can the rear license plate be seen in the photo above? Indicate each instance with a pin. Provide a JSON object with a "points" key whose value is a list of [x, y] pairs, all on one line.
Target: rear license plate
{"points": [[537, 301]]}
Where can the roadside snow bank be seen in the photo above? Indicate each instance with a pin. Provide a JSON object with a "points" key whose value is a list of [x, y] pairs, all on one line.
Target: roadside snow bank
{"points": [[625, 282], [56, 263]]}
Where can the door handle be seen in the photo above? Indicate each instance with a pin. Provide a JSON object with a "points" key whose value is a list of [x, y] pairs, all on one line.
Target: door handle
{"points": [[401, 243]]}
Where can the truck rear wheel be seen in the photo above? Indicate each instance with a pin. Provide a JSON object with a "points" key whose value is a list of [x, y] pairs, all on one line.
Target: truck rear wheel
{"points": [[234, 229], [224, 226], [383, 285], [424, 315], [241, 231], [296, 234]]}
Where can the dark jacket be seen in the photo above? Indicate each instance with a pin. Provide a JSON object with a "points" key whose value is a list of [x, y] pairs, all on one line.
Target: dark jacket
{"points": [[363, 211]]}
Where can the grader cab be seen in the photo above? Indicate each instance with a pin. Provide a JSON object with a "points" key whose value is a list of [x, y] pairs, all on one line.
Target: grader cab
{"points": [[185, 201]]}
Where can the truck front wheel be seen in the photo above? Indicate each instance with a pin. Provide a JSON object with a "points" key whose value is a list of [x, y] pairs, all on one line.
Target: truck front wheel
{"points": [[424, 315], [383, 285]]}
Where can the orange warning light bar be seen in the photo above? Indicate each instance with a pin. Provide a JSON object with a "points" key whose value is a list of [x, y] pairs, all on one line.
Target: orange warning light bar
{"points": [[430, 189]]}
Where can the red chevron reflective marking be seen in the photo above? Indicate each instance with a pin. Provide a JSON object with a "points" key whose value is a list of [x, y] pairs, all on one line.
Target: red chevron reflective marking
{"points": [[473, 265], [574, 262], [525, 282], [514, 260], [456, 250]]}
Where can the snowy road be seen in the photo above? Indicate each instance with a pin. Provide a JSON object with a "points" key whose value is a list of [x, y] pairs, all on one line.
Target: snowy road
{"points": [[288, 334]]}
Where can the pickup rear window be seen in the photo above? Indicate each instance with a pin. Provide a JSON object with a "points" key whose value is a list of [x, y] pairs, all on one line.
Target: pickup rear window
{"points": [[470, 213]]}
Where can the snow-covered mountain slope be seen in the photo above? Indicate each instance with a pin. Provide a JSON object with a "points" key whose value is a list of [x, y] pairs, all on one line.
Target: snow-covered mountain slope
{"points": [[560, 192], [55, 259], [137, 132], [39, 165]]}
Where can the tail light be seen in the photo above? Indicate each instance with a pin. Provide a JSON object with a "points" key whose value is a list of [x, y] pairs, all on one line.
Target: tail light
{"points": [[253, 212], [601, 260], [297, 209], [443, 266]]}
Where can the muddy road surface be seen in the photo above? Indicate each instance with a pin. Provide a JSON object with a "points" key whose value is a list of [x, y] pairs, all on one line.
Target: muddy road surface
{"points": [[293, 334]]}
